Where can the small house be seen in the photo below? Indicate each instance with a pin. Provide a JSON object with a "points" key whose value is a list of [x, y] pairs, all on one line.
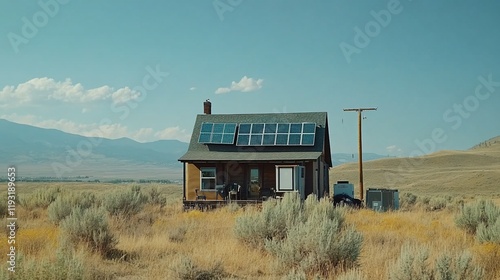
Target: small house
{"points": [[249, 157]]}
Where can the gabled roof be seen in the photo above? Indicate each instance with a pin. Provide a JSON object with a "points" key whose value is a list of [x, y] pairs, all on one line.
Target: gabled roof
{"points": [[217, 152]]}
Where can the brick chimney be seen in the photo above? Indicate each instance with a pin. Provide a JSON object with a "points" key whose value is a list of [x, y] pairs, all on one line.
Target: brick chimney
{"points": [[207, 107]]}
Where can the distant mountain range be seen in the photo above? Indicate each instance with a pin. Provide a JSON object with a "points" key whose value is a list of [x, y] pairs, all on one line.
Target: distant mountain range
{"points": [[41, 152], [53, 153]]}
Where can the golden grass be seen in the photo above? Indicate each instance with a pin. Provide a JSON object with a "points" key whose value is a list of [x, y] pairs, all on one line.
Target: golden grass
{"points": [[152, 241], [385, 233]]}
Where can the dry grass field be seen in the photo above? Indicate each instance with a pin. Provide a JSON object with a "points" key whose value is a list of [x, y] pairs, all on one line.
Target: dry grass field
{"points": [[163, 242]]}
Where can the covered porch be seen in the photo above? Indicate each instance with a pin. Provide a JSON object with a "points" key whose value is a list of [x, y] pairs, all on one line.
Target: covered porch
{"points": [[242, 182]]}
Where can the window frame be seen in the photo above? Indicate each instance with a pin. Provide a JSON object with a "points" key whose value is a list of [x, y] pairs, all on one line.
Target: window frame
{"points": [[202, 178]]}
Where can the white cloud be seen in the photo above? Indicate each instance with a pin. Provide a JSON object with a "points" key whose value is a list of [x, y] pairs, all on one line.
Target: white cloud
{"points": [[97, 93], [39, 89], [192, 88], [393, 149], [106, 130], [244, 85], [173, 133], [143, 134], [124, 94]]}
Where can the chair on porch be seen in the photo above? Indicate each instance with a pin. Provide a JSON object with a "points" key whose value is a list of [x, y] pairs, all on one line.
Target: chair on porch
{"points": [[234, 191], [221, 190]]}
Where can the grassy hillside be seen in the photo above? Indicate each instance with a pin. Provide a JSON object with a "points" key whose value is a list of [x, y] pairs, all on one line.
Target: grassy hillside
{"points": [[472, 172]]}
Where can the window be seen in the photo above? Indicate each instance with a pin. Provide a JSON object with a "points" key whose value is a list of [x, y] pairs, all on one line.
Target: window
{"points": [[207, 178]]}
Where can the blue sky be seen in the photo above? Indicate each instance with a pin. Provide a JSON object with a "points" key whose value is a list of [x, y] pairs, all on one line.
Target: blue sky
{"points": [[142, 69]]}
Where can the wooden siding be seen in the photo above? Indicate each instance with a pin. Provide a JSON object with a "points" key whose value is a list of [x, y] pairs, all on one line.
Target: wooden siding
{"points": [[309, 178], [268, 175], [233, 172], [194, 176], [192, 181]]}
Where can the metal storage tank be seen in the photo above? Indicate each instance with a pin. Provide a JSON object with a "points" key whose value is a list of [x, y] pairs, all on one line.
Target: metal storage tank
{"points": [[382, 199]]}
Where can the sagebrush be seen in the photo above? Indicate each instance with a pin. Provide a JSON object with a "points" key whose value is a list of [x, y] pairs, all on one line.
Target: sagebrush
{"points": [[64, 204], [126, 203], [90, 227], [415, 263], [481, 218], [310, 236]]}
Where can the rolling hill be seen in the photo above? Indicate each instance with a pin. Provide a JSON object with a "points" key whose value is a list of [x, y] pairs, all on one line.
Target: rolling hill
{"points": [[472, 172]]}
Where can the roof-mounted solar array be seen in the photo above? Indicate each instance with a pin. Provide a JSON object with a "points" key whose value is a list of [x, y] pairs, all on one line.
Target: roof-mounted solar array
{"points": [[217, 133], [276, 134]]}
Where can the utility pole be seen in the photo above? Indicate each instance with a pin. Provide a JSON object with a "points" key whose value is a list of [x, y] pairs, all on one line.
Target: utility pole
{"points": [[360, 146]]}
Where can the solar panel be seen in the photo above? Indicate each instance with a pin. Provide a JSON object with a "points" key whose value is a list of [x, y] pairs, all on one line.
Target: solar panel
{"points": [[283, 127], [270, 128], [309, 128], [276, 134], [205, 137], [243, 139], [308, 139], [218, 128], [227, 138], [257, 128], [295, 128], [282, 139], [256, 139], [245, 128], [216, 138], [268, 139], [217, 133], [206, 127], [294, 139]]}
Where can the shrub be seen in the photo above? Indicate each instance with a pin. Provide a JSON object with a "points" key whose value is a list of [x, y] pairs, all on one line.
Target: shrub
{"points": [[41, 198], [459, 267], [185, 269], [489, 233], [65, 266], [125, 203], [473, 215], [156, 198], [438, 203], [273, 221], [408, 200], [177, 234], [89, 226], [414, 263], [64, 204], [285, 229]]}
